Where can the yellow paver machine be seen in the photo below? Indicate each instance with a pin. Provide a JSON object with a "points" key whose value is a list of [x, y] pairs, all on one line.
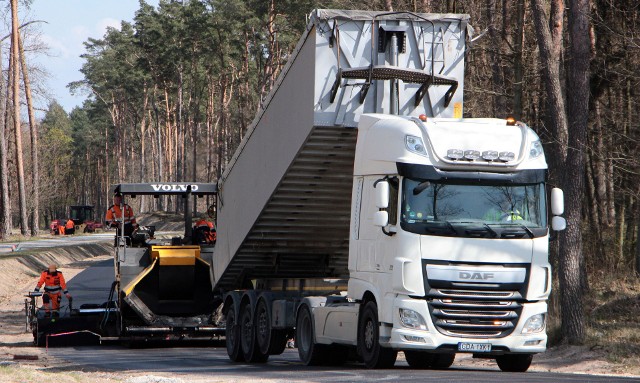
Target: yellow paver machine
{"points": [[163, 286]]}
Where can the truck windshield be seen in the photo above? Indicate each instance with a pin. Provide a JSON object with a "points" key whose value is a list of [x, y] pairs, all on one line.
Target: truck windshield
{"points": [[450, 209]]}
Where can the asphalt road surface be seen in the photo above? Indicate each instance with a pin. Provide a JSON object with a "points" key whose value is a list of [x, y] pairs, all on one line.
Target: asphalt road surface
{"points": [[188, 363]]}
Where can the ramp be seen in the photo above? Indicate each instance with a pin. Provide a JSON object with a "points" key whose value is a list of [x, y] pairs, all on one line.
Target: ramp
{"points": [[284, 199]]}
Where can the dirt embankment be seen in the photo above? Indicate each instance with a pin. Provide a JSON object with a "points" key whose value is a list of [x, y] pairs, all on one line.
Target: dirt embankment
{"points": [[19, 267]]}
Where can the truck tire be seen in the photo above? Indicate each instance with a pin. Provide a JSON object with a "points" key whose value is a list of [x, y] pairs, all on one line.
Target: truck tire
{"points": [[514, 362], [419, 359], [373, 355], [232, 335], [442, 361], [310, 353], [270, 341], [248, 343]]}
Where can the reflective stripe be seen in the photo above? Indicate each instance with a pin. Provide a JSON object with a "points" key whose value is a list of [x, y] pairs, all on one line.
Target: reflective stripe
{"points": [[128, 214], [53, 288]]}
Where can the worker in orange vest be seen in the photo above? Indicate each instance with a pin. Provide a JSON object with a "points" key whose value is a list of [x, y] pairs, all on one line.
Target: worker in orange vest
{"points": [[61, 228], [54, 287], [206, 231], [70, 227], [114, 216]]}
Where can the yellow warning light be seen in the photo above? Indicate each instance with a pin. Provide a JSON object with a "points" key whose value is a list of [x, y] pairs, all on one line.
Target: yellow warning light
{"points": [[511, 120]]}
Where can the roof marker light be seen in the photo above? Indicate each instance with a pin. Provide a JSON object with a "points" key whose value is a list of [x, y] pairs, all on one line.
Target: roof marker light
{"points": [[471, 155], [455, 154], [423, 117], [490, 155], [511, 120], [507, 156]]}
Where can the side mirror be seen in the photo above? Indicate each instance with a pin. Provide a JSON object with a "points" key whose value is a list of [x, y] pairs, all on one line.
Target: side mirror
{"points": [[382, 194], [557, 201], [558, 223], [381, 218]]}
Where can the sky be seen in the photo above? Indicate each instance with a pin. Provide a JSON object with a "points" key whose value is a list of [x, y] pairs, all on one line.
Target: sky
{"points": [[69, 23]]}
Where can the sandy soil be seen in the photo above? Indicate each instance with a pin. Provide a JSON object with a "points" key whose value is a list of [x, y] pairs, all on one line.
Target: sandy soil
{"points": [[21, 362]]}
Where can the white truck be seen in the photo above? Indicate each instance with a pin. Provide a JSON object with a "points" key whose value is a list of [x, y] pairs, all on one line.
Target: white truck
{"points": [[364, 216]]}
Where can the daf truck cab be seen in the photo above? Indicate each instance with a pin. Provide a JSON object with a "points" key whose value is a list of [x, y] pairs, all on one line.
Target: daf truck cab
{"points": [[448, 248]]}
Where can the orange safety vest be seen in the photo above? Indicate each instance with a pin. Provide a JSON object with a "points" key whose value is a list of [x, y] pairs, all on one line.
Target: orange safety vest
{"points": [[53, 282], [70, 225], [114, 213]]}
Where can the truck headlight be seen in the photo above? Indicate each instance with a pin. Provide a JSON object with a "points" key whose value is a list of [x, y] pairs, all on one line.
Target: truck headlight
{"points": [[411, 319], [534, 324]]}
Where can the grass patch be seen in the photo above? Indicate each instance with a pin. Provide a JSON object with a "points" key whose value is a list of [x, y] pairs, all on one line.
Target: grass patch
{"points": [[613, 317]]}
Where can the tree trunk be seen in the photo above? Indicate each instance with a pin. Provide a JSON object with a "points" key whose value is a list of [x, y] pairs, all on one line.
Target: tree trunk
{"points": [[388, 5], [499, 106], [5, 206], [518, 61], [573, 321], [22, 198], [33, 128]]}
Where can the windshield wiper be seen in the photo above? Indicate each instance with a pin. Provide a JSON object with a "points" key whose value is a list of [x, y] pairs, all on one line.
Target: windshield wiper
{"points": [[524, 227], [474, 232], [531, 235], [439, 226], [495, 234]]}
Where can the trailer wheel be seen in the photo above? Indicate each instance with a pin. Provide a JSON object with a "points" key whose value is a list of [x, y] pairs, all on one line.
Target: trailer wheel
{"points": [[310, 353], [232, 335], [418, 359], [263, 327], [373, 355], [248, 341], [514, 362], [270, 341]]}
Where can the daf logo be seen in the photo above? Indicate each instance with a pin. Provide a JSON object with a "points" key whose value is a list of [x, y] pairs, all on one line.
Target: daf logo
{"points": [[475, 276], [173, 187]]}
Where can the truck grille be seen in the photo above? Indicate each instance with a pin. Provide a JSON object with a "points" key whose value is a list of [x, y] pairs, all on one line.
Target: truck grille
{"points": [[474, 313]]}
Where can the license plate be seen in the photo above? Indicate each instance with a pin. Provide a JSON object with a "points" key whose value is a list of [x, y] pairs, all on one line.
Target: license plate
{"points": [[474, 347]]}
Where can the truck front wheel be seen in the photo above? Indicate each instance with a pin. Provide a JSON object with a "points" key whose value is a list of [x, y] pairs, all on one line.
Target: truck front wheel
{"points": [[418, 359], [514, 362], [373, 355]]}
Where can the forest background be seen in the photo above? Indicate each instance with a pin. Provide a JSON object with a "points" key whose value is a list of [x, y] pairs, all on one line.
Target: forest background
{"points": [[170, 95]]}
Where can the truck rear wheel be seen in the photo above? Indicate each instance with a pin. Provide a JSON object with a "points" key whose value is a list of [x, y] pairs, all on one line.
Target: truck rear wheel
{"points": [[419, 359], [311, 353], [232, 335], [373, 355], [514, 362], [248, 342]]}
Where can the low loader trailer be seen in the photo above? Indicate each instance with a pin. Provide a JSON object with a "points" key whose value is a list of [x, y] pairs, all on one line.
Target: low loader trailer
{"points": [[363, 215]]}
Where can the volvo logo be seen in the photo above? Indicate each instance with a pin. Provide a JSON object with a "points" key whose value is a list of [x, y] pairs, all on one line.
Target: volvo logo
{"points": [[173, 187], [475, 276]]}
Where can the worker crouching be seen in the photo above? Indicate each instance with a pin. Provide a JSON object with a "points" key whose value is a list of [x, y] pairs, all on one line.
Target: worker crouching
{"points": [[54, 287]]}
